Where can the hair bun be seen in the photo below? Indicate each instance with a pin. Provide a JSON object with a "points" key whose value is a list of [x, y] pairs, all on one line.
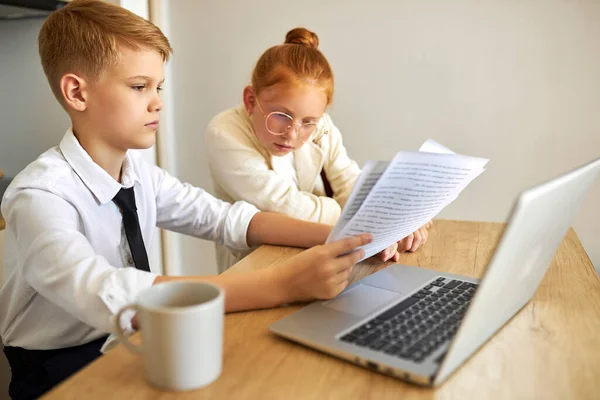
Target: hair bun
{"points": [[302, 36]]}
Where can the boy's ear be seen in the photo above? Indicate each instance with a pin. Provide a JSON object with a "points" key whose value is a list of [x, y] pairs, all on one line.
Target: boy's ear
{"points": [[249, 99], [74, 91]]}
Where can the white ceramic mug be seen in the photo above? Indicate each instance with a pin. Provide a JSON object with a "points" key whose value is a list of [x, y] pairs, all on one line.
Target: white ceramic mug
{"points": [[182, 333]]}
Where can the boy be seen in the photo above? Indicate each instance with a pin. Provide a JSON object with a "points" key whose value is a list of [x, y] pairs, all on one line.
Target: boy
{"points": [[78, 217]]}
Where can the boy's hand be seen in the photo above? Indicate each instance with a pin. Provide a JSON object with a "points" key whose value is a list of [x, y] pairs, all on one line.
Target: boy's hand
{"points": [[321, 272]]}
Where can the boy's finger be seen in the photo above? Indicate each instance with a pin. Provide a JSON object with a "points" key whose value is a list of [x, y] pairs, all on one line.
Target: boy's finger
{"points": [[345, 245], [340, 287], [349, 260], [343, 275]]}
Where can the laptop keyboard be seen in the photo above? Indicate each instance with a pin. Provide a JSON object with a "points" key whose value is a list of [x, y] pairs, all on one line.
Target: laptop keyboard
{"points": [[418, 325]]}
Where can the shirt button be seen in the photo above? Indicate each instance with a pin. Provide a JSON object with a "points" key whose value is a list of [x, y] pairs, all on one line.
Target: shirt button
{"points": [[130, 261]]}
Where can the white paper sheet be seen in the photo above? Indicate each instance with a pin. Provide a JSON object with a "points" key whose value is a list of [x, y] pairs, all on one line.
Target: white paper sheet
{"points": [[392, 201]]}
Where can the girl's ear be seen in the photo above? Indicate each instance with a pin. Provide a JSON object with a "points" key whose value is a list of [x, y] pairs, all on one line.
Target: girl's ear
{"points": [[249, 98]]}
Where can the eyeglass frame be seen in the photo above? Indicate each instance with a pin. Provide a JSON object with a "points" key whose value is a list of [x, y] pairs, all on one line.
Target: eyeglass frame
{"points": [[294, 123]]}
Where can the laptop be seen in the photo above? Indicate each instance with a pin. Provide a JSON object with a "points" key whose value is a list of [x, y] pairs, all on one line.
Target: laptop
{"points": [[420, 325]]}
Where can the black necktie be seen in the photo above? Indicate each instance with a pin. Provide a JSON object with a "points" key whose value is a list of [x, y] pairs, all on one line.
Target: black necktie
{"points": [[125, 200]]}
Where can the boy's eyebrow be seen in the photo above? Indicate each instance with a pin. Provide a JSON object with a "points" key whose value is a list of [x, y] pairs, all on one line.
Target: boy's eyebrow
{"points": [[144, 77]]}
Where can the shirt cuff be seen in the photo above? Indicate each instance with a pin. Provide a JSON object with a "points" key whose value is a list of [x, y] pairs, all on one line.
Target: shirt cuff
{"points": [[121, 289], [236, 225]]}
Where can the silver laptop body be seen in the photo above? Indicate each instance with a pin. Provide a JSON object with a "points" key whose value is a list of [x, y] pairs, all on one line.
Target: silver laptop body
{"points": [[420, 325]]}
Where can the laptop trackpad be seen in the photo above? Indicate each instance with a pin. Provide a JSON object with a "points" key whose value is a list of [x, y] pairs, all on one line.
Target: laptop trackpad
{"points": [[361, 300]]}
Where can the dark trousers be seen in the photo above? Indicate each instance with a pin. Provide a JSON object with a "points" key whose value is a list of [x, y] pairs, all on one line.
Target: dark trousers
{"points": [[34, 372]]}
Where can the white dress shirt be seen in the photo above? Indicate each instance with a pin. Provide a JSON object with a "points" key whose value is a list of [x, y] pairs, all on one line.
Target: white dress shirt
{"points": [[67, 266]]}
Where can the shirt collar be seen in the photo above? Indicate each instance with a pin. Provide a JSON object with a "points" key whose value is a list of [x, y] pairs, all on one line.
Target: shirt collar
{"points": [[103, 186]]}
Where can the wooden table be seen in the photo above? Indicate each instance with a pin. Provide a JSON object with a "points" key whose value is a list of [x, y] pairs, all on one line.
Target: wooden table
{"points": [[550, 350]]}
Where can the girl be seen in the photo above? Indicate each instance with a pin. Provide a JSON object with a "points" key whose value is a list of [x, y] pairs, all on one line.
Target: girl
{"points": [[280, 151]]}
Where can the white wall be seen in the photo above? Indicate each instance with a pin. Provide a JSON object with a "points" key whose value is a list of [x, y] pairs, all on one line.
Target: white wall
{"points": [[31, 119], [517, 82]]}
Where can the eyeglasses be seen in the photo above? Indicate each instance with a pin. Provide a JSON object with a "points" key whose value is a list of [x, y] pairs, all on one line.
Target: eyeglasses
{"points": [[279, 123]]}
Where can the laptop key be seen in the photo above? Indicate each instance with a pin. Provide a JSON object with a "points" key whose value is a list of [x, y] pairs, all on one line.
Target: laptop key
{"points": [[372, 337], [349, 338], [393, 349], [397, 308], [405, 353], [378, 345], [359, 332], [452, 284], [424, 348]]}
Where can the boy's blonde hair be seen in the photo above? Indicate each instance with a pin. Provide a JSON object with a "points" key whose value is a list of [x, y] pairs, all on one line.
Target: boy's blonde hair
{"points": [[83, 38]]}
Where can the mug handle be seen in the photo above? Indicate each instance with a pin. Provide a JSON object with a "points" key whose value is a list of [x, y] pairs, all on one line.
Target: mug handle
{"points": [[121, 333]]}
